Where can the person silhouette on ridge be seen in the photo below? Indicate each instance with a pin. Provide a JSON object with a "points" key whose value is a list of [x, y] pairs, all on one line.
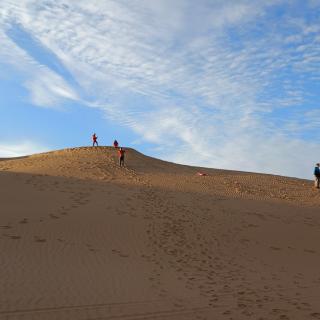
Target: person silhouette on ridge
{"points": [[317, 176], [115, 143], [121, 153], [94, 140]]}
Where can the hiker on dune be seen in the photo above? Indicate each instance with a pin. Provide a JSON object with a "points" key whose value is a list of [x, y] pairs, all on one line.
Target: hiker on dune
{"points": [[317, 176], [115, 143], [94, 140], [121, 153]]}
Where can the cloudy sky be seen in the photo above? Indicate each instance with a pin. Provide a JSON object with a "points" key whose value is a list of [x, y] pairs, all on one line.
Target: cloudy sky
{"points": [[218, 83]]}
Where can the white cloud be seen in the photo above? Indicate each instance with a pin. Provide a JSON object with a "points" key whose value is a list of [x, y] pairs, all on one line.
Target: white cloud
{"points": [[20, 149], [277, 155], [47, 89]]}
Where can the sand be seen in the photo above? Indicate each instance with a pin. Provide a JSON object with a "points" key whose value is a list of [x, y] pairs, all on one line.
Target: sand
{"points": [[81, 238]]}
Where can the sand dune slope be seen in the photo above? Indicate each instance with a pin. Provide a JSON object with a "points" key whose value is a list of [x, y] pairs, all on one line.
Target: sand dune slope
{"points": [[81, 238]]}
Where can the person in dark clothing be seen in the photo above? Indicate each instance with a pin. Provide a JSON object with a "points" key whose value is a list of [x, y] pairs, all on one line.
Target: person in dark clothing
{"points": [[94, 140], [115, 143], [121, 153], [317, 176]]}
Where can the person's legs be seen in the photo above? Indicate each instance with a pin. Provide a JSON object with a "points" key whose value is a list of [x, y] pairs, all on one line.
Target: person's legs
{"points": [[317, 182]]}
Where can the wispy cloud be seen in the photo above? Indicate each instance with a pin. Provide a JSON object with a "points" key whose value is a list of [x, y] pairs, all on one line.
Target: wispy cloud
{"points": [[211, 83], [8, 150], [47, 88]]}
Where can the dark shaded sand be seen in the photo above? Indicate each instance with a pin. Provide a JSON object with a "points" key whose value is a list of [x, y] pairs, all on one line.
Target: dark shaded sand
{"points": [[81, 238]]}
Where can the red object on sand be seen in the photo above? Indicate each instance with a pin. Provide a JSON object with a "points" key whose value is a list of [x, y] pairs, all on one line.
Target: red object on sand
{"points": [[202, 174]]}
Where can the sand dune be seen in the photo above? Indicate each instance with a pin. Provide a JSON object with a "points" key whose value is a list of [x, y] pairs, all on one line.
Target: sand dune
{"points": [[81, 238]]}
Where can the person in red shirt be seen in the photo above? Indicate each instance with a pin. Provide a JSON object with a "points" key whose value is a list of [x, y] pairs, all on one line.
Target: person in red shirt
{"points": [[94, 140], [121, 153], [115, 143]]}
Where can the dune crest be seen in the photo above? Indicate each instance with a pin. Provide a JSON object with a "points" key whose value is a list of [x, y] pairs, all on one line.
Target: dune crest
{"points": [[100, 163]]}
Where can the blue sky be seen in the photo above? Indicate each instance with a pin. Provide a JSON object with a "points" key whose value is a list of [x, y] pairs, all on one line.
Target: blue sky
{"points": [[227, 84]]}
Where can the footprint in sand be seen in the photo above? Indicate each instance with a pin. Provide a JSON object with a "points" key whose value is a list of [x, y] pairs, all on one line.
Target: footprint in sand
{"points": [[227, 312], [6, 227], [309, 251], [284, 317], [14, 237], [275, 248], [39, 239], [90, 248], [120, 254]]}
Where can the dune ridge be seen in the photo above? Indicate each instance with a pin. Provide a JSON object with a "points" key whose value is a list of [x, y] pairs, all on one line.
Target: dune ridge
{"points": [[82, 238], [100, 163]]}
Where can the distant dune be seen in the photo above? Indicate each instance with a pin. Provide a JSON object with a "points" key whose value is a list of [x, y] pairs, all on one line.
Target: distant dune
{"points": [[81, 238]]}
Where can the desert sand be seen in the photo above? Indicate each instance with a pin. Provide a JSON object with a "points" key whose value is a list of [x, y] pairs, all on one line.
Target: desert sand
{"points": [[81, 238]]}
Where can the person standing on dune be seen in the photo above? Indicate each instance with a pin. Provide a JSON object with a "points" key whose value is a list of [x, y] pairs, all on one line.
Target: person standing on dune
{"points": [[121, 153], [317, 176], [115, 143], [94, 140]]}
